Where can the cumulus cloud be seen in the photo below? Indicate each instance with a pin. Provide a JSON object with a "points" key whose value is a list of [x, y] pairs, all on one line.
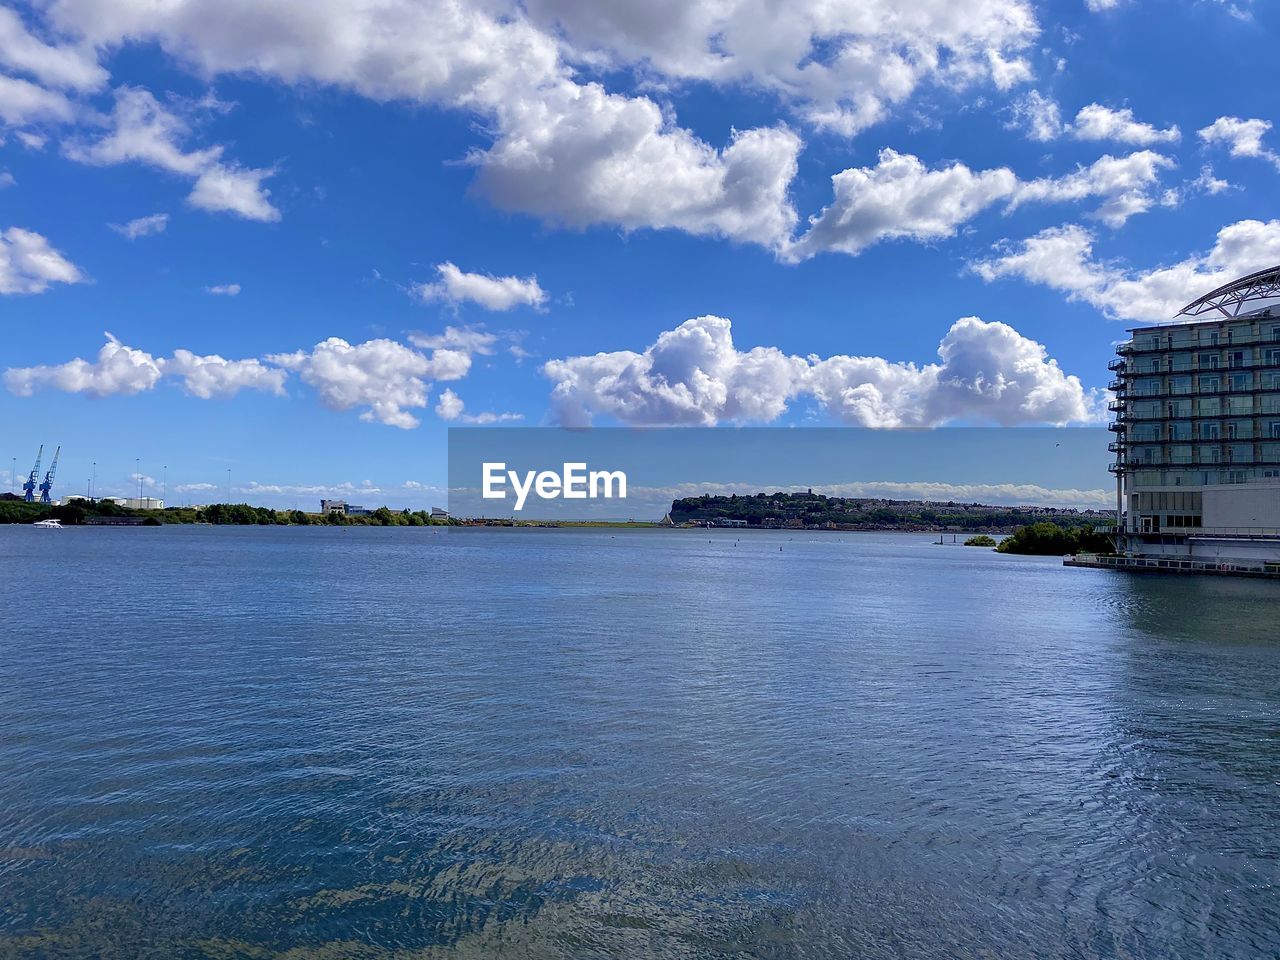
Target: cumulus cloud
{"points": [[493, 293], [28, 264], [1062, 258], [1038, 115], [65, 66], [566, 151], [1041, 118], [468, 339], [142, 130], [901, 198], [123, 370], [572, 152], [1123, 182], [224, 289], [118, 370], [212, 376], [1242, 138], [23, 102], [388, 378], [696, 375], [843, 65], [450, 407], [1096, 122], [142, 226], [195, 487]]}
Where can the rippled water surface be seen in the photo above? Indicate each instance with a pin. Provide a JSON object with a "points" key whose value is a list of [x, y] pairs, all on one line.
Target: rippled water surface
{"points": [[411, 743]]}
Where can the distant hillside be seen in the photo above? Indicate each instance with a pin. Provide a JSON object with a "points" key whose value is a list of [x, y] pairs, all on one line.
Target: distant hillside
{"points": [[814, 510]]}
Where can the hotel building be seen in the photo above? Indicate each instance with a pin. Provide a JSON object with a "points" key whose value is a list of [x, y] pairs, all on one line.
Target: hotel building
{"points": [[1197, 429]]}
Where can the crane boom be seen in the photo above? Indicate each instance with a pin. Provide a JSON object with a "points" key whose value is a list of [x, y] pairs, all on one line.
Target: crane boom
{"points": [[47, 486], [29, 488]]}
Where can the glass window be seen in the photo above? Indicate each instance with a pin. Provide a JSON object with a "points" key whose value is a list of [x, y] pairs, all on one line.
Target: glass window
{"points": [[1213, 383]]}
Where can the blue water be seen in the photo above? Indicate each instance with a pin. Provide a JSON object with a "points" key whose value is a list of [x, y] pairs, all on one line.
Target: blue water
{"points": [[415, 742]]}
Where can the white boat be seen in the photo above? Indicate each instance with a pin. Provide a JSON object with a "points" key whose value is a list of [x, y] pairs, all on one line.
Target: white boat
{"points": [[49, 524]]}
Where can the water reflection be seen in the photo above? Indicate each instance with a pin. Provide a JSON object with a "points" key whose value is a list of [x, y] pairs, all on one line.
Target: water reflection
{"points": [[556, 744]]}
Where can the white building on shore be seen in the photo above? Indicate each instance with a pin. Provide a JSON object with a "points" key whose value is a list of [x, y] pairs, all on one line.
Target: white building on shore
{"points": [[1197, 429]]}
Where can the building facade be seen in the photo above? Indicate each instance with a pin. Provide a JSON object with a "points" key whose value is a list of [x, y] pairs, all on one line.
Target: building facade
{"points": [[1197, 429]]}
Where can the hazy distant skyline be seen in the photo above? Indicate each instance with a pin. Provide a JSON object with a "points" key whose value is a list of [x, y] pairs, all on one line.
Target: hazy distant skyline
{"points": [[319, 234]]}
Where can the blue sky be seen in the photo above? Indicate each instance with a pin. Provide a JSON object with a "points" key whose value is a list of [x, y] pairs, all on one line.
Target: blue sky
{"points": [[624, 215]]}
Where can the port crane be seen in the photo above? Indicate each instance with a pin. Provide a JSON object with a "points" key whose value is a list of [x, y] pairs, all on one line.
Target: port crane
{"points": [[47, 486], [29, 488]]}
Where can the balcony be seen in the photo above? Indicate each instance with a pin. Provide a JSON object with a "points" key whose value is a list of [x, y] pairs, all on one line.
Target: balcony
{"points": [[1116, 406], [1116, 365], [1222, 343], [1117, 386]]}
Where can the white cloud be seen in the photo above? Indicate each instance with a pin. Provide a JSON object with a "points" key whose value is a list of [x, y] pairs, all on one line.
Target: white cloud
{"points": [[468, 339], [212, 376], [1038, 115], [583, 157], [22, 102], [32, 141], [234, 190], [566, 151], [118, 370], [696, 375], [387, 377], [344, 489], [1098, 5], [901, 198], [569, 151], [224, 289], [492, 293], [690, 375], [124, 370], [7, 180], [1123, 183], [28, 264], [1243, 138], [1041, 118], [1062, 259], [195, 487], [1096, 122], [142, 226], [842, 65], [73, 67], [141, 130], [451, 407]]}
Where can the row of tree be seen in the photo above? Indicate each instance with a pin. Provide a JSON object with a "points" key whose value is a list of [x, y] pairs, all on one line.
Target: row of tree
{"points": [[1053, 540]]}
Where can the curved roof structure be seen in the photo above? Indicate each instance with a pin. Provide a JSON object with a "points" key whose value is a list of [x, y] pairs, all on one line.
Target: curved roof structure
{"points": [[1229, 298]]}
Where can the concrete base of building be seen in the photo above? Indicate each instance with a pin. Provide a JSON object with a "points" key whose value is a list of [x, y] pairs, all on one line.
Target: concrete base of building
{"points": [[1222, 568]]}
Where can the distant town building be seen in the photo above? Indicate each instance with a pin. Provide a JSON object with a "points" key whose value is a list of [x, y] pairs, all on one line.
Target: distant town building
{"points": [[438, 513], [333, 506], [1197, 429], [136, 503]]}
